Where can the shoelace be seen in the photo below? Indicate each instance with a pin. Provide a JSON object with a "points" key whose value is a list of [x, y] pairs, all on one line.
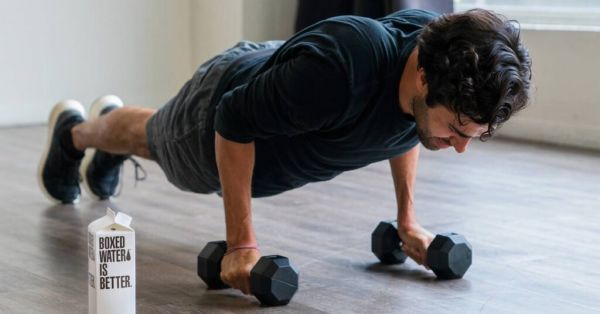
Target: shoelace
{"points": [[138, 169]]}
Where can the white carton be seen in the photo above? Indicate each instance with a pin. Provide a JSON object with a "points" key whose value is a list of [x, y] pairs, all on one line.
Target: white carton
{"points": [[111, 264]]}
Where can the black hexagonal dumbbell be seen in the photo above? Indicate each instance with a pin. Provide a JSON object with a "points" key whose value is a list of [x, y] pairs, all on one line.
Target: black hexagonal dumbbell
{"points": [[449, 255], [273, 280]]}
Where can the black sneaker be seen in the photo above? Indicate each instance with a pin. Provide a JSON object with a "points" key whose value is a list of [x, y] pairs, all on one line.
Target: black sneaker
{"points": [[101, 171], [58, 175]]}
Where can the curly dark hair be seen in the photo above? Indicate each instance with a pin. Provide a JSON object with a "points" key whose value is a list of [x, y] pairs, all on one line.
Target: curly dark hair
{"points": [[476, 65]]}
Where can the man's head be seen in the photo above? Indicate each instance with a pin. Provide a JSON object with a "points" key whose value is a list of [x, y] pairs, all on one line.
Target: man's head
{"points": [[474, 73]]}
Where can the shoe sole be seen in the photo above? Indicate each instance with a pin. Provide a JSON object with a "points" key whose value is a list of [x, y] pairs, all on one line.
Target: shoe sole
{"points": [[97, 107], [59, 108]]}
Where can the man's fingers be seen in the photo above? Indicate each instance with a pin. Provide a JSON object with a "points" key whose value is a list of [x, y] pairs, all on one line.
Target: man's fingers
{"points": [[225, 279], [239, 283], [420, 257], [245, 286], [423, 257], [412, 254], [235, 283]]}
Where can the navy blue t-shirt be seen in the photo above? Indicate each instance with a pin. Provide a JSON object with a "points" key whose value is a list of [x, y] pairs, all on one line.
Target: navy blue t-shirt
{"points": [[325, 102]]}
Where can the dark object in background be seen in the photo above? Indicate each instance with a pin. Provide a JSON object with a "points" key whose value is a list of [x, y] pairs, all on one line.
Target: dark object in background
{"points": [[439, 6], [312, 11]]}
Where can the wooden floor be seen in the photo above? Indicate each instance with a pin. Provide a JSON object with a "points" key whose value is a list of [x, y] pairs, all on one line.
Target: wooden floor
{"points": [[531, 212]]}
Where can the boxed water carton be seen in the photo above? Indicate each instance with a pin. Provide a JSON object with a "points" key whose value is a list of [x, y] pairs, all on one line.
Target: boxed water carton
{"points": [[111, 264]]}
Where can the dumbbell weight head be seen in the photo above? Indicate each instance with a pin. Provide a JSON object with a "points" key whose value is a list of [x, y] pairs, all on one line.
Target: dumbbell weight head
{"points": [[449, 255], [273, 280], [385, 243], [209, 264]]}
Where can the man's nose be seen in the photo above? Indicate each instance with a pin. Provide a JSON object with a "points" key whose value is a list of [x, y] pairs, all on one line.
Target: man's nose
{"points": [[460, 144]]}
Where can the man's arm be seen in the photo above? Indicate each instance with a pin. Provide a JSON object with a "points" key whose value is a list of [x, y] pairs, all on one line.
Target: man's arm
{"points": [[235, 162], [404, 173], [415, 239]]}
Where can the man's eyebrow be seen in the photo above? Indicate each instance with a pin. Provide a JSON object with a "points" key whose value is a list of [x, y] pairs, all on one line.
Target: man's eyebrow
{"points": [[461, 134]]}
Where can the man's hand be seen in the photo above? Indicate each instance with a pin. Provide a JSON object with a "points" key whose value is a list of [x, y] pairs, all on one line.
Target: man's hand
{"points": [[236, 267], [415, 241]]}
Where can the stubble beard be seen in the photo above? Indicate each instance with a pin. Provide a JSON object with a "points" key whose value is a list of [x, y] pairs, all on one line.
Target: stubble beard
{"points": [[420, 111]]}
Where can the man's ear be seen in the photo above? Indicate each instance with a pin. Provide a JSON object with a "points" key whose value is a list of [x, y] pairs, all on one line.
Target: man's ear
{"points": [[421, 81]]}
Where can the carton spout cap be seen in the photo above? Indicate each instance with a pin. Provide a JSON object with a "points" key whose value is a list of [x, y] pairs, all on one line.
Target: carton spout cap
{"points": [[119, 218]]}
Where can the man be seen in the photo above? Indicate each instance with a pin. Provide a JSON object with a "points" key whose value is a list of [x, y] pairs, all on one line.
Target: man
{"points": [[261, 119]]}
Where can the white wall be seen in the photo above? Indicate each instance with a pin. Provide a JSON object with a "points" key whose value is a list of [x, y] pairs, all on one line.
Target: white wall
{"points": [[218, 25], [566, 106], [141, 50], [269, 19], [51, 50], [215, 26]]}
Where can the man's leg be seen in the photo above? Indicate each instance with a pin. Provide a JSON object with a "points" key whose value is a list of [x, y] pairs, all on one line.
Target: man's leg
{"points": [[121, 132], [111, 135]]}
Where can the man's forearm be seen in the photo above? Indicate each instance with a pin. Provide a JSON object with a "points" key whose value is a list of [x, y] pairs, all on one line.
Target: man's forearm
{"points": [[404, 173], [235, 162]]}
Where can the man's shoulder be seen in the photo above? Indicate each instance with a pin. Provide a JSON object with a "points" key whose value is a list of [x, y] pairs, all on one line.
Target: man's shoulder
{"points": [[350, 28], [416, 17], [394, 28]]}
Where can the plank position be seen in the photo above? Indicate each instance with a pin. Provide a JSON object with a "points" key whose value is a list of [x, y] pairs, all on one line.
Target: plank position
{"points": [[263, 118]]}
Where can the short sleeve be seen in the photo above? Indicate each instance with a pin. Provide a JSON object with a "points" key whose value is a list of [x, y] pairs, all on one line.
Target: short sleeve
{"points": [[305, 93]]}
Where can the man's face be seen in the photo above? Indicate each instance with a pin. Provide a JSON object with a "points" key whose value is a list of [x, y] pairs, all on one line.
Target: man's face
{"points": [[439, 128]]}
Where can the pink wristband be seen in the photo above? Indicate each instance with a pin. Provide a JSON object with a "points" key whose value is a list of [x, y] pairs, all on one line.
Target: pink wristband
{"points": [[240, 247]]}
